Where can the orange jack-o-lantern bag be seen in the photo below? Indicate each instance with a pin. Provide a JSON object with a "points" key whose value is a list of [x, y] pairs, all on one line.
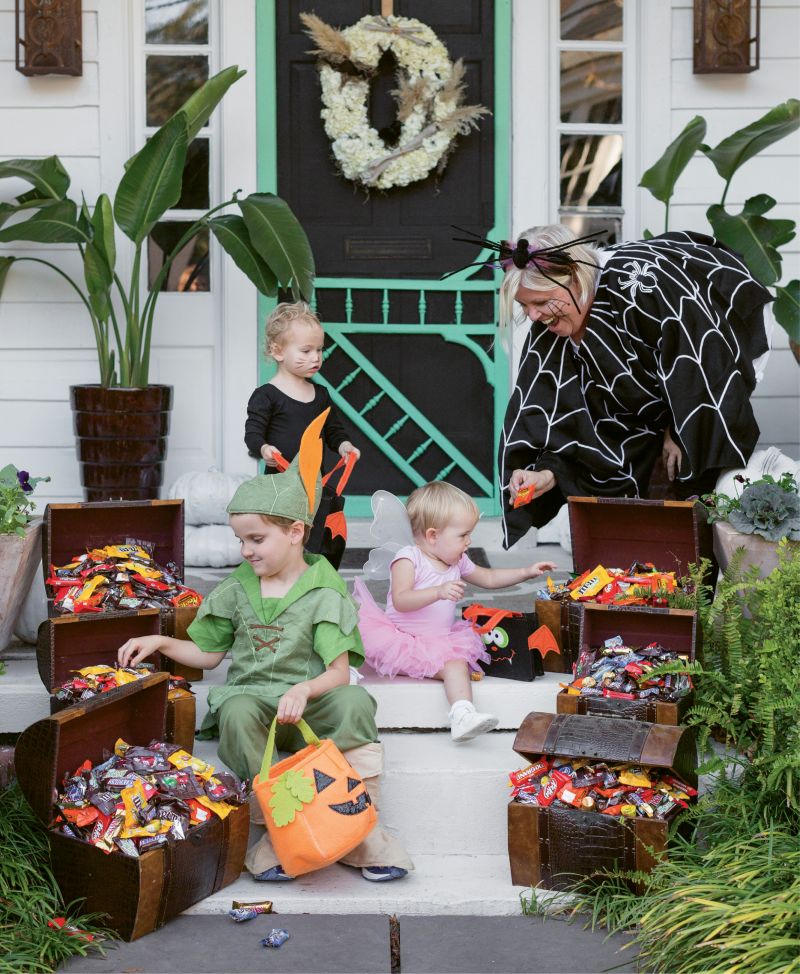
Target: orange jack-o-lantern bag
{"points": [[315, 805]]}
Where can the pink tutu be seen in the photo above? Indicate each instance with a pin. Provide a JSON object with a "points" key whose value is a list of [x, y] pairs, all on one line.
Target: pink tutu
{"points": [[390, 651]]}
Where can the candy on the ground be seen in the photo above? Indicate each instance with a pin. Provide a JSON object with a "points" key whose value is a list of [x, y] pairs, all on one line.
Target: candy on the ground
{"points": [[118, 577], [275, 938], [249, 911]]}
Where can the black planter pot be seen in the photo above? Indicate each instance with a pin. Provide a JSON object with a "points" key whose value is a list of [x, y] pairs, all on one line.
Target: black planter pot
{"points": [[122, 440]]}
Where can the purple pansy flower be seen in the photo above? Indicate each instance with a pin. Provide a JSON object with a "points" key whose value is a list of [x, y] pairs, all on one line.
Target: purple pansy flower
{"points": [[23, 477]]}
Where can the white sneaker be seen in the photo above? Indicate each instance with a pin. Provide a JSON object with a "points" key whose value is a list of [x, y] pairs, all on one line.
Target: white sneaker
{"points": [[466, 722]]}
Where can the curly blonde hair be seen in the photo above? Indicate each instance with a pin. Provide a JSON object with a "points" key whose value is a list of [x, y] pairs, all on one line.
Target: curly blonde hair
{"points": [[434, 505], [281, 320], [582, 280]]}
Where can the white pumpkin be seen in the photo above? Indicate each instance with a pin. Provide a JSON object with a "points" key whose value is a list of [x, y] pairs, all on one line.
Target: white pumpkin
{"points": [[33, 613], [211, 546], [206, 495], [770, 461]]}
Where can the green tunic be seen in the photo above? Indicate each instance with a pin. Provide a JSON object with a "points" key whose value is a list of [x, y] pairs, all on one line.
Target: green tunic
{"points": [[276, 643]]}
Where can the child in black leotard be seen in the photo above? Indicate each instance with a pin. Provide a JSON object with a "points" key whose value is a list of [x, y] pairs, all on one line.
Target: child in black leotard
{"points": [[280, 411]]}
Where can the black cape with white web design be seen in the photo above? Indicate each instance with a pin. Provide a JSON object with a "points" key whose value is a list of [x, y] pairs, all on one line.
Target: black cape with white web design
{"points": [[670, 340]]}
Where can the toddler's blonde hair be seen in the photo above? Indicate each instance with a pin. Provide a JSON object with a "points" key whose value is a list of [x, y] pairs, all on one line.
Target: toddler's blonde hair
{"points": [[434, 505], [282, 319]]}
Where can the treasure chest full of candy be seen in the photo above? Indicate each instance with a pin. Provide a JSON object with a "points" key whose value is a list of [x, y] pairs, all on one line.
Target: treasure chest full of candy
{"points": [[138, 829], [118, 556], [626, 553], [598, 793], [77, 660], [619, 654]]}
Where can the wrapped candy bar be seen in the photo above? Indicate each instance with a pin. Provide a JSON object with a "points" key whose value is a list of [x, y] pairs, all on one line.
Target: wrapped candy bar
{"points": [[625, 790], [94, 680], [623, 673], [137, 800], [121, 576]]}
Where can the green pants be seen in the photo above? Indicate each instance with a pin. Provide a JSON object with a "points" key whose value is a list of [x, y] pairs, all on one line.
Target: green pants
{"points": [[345, 714]]}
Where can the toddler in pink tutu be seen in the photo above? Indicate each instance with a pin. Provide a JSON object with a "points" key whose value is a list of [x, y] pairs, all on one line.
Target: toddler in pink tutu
{"points": [[418, 634]]}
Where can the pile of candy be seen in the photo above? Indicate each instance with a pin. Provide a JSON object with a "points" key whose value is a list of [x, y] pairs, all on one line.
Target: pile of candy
{"points": [[94, 680], [119, 576], [142, 797], [641, 584], [594, 786], [622, 673]]}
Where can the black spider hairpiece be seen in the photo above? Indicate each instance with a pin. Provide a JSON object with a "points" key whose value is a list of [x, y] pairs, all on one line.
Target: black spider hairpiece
{"points": [[520, 254]]}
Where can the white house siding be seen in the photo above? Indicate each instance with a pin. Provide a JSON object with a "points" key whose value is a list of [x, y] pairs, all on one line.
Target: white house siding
{"points": [[204, 344]]}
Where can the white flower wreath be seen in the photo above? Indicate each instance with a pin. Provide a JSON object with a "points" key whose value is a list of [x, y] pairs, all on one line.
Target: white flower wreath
{"points": [[429, 95]]}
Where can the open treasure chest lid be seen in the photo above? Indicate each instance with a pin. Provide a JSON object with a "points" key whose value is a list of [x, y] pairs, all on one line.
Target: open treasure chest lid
{"points": [[674, 629], [58, 744], [611, 739], [69, 529], [71, 642], [617, 531]]}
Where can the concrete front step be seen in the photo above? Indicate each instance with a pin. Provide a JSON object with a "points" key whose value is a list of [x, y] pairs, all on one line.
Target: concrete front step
{"points": [[439, 885], [439, 797], [402, 702]]}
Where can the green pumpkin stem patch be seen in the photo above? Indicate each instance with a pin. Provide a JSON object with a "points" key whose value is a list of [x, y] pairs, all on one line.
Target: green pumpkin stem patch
{"points": [[289, 793]]}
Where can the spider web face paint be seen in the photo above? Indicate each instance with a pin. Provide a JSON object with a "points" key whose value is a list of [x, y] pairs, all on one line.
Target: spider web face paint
{"points": [[671, 336]]}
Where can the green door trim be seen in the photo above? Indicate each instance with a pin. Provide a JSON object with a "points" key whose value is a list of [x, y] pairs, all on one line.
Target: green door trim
{"points": [[494, 364]]}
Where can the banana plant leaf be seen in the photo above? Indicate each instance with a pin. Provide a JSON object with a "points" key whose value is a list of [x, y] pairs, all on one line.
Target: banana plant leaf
{"points": [[787, 309], [280, 240], [103, 230], [7, 210], [231, 232], [5, 267], [153, 182], [198, 107], [48, 176], [661, 177], [734, 151], [57, 223], [753, 236]]}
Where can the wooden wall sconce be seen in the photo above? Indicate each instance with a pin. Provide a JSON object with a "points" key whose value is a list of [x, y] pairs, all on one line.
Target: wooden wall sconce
{"points": [[49, 37], [726, 36]]}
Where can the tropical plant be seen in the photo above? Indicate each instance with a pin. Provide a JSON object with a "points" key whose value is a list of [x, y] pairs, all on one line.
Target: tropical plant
{"points": [[16, 506], [264, 238], [753, 235]]}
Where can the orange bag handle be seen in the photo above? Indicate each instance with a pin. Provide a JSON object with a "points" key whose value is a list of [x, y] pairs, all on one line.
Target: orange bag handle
{"points": [[348, 463], [495, 615]]}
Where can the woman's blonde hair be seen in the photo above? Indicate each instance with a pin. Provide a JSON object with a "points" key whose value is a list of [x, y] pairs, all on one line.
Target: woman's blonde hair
{"points": [[282, 319], [434, 505], [580, 279]]}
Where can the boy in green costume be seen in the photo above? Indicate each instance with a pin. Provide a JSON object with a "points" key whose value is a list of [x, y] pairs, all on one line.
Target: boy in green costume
{"points": [[291, 628]]}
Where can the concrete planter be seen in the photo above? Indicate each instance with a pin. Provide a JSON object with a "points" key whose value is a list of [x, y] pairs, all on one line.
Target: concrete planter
{"points": [[19, 559], [758, 551]]}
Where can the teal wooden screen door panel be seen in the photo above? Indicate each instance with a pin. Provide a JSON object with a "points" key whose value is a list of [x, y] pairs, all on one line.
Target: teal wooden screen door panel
{"points": [[411, 360]]}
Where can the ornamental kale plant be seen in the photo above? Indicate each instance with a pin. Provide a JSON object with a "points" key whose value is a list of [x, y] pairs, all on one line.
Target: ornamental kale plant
{"points": [[16, 486], [768, 507]]}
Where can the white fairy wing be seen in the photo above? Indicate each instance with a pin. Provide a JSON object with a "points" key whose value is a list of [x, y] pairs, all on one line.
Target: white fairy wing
{"points": [[391, 530]]}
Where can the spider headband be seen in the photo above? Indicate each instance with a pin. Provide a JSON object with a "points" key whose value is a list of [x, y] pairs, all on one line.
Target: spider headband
{"points": [[546, 260]]}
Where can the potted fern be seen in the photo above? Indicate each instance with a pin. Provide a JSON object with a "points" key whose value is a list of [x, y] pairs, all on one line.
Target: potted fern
{"points": [[122, 422]]}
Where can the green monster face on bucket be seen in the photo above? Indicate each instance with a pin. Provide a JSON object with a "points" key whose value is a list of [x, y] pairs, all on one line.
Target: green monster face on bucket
{"points": [[497, 643]]}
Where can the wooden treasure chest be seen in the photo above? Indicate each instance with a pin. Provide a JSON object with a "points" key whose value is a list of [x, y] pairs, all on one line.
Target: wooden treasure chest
{"points": [[71, 642], [551, 847], [139, 894], [616, 532], [70, 529], [674, 629]]}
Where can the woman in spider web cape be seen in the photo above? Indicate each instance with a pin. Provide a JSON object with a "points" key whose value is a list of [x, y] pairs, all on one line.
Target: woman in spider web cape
{"points": [[642, 350]]}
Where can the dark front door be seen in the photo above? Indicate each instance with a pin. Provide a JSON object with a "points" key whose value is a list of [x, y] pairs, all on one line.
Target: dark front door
{"points": [[411, 359]]}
